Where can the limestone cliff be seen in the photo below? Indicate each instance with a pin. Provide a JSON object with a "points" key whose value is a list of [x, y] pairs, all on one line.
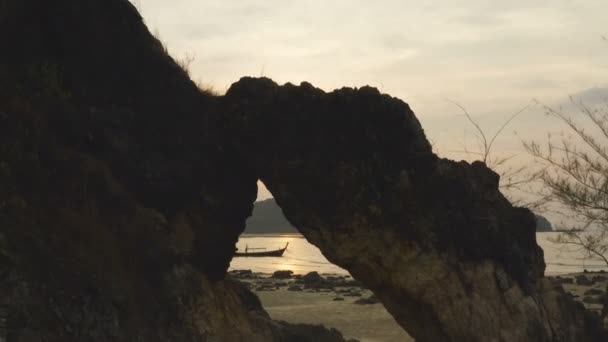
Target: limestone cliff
{"points": [[119, 205], [447, 254], [123, 189]]}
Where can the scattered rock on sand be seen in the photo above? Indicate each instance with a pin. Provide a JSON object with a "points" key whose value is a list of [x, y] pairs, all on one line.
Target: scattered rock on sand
{"points": [[594, 292], [338, 299], [592, 300], [242, 274], [343, 291], [285, 274], [583, 280], [348, 283], [265, 287], [294, 288], [314, 281], [312, 278], [564, 280], [365, 301]]}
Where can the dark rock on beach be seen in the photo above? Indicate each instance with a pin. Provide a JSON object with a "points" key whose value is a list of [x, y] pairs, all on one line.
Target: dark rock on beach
{"points": [[594, 292], [242, 274], [282, 274], [564, 280], [294, 288], [367, 301], [593, 300], [312, 278], [583, 280]]}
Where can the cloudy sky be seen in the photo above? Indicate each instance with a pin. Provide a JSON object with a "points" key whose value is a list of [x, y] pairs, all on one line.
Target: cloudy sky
{"points": [[491, 56]]}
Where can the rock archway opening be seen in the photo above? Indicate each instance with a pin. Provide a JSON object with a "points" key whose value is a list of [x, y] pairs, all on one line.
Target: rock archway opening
{"points": [[301, 286], [445, 252], [125, 188]]}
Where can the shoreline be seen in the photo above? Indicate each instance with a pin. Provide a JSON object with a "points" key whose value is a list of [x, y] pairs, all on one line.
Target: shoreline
{"points": [[333, 300], [270, 235], [301, 256], [338, 301], [587, 288]]}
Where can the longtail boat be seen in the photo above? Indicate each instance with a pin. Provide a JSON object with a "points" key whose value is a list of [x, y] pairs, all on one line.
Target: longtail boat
{"points": [[273, 253]]}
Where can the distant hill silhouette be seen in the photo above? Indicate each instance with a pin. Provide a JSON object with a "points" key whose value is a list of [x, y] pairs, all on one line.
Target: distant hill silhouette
{"points": [[542, 224], [268, 218]]}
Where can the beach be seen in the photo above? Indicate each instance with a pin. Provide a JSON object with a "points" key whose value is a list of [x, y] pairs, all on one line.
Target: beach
{"points": [[369, 323], [331, 297], [334, 300], [303, 257], [588, 288], [338, 301]]}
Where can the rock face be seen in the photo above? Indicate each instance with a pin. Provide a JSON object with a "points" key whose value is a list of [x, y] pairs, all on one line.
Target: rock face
{"points": [[447, 254], [123, 189], [119, 204]]}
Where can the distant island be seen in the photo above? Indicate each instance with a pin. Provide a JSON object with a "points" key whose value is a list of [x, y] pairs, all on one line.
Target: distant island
{"points": [[268, 218], [542, 224]]}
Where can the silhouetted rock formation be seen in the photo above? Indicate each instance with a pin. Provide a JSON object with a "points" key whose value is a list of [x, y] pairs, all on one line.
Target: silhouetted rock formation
{"points": [[446, 253], [123, 189], [542, 224], [119, 204], [267, 217]]}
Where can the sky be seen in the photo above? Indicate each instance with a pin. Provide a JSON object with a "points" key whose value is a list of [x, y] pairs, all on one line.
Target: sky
{"points": [[492, 57]]}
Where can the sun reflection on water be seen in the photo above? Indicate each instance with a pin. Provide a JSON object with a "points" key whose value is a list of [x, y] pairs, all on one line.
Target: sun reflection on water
{"points": [[300, 257]]}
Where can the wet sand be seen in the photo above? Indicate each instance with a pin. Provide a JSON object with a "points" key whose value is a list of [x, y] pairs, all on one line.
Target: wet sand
{"points": [[587, 288], [297, 301], [366, 323], [317, 304]]}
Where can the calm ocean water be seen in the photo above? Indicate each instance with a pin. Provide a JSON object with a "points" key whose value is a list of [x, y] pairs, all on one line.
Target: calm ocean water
{"points": [[302, 257]]}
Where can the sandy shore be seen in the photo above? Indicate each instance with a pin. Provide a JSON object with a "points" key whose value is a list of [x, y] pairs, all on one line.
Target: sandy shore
{"points": [[363, 322], [587, 288], [335, 301]]}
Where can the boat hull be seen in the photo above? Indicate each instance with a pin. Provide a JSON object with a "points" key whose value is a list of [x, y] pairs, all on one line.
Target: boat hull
{"points": [[276, 253]]}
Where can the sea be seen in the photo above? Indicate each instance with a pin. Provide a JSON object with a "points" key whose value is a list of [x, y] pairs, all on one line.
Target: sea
{"points": [[302, 257]]}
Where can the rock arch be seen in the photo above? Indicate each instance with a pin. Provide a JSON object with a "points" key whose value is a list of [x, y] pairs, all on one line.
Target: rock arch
{"points": [[448, 255], [123, 189]]}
